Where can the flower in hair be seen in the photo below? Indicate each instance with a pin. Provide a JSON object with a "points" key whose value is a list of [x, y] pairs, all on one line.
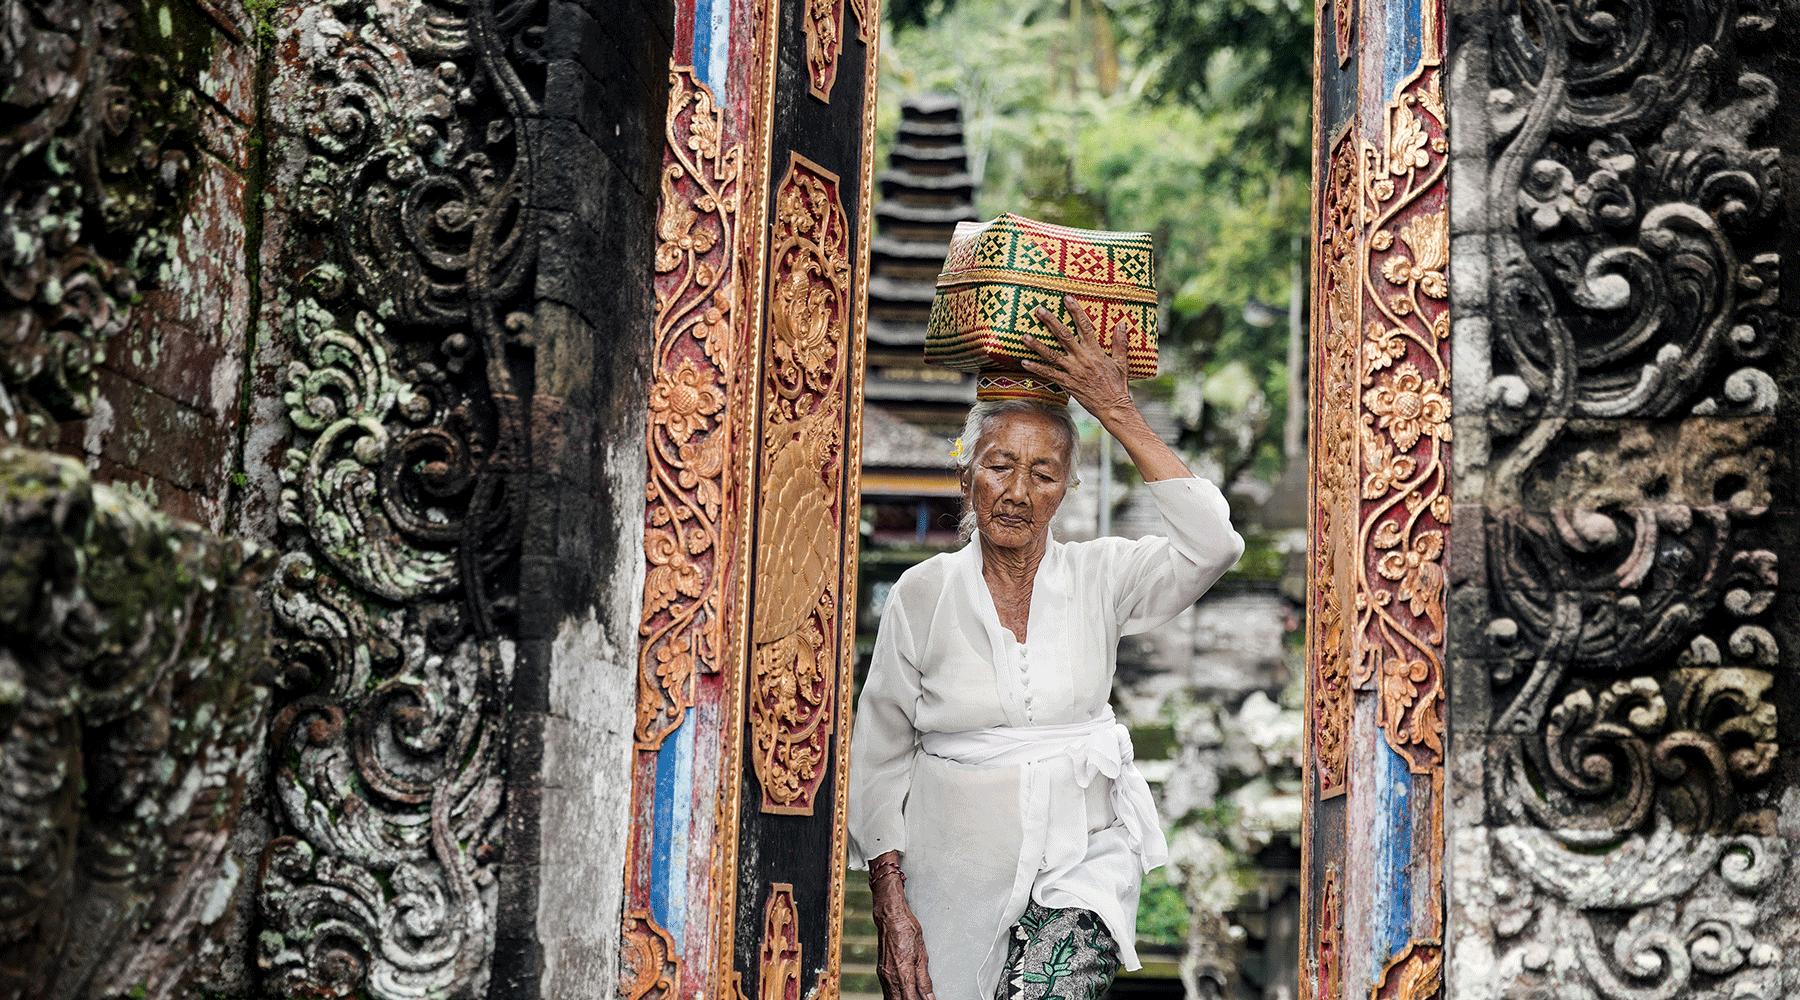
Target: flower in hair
{"points": [[956, 448]]}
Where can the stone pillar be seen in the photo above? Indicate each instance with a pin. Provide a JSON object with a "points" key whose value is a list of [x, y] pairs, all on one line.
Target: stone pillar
{"points": [[1552, 704], [1625, 781]]}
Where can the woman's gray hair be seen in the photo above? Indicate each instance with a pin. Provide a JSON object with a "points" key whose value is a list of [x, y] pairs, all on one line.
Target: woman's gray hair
{"points": [[981, 417]]}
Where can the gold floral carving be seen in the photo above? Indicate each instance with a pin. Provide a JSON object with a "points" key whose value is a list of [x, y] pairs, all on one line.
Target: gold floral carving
{"points": [[868, 22], [686, 439], [1343, 19], [794, 641], [824, 21], [1330, 984], [1417, 973], [1404, 430], [1334, 472], [779, 959], [647, 962]]}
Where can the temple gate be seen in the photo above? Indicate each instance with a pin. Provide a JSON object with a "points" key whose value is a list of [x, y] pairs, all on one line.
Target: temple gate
{"points": [[747, 647], [1551, 705]]}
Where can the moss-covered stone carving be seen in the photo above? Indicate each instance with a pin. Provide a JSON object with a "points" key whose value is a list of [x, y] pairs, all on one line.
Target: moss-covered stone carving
{"points": [[133, 673]]}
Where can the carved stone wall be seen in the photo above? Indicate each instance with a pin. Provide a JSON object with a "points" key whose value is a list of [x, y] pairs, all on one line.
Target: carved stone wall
{"points": [[460, 359], [346, 280], [1626, 786]]}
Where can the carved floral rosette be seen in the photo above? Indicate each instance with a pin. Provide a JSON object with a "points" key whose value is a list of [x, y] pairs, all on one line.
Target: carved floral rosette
{"points": [[1631, 844], [688, 439], [794, 634], [1404, 426]]}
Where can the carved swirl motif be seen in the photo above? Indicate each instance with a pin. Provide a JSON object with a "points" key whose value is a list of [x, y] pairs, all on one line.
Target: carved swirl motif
{"points": [[1417, 973], [92, 161], [1404, 432], [1631, 641], [794, 632], [688, 439], [397, 498], [647, 959], [1335, 498]]}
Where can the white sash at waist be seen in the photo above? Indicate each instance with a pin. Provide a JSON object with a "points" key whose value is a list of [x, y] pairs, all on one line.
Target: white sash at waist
{"points": [[1098, 746]]}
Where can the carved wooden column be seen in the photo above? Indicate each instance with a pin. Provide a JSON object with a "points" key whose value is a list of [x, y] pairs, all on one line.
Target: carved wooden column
{"points": [[735, 880], [1551, 686], [1381, 500]]}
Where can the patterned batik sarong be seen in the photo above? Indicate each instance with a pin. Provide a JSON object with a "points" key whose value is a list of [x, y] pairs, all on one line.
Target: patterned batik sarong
{"points": [[1061, 954]]}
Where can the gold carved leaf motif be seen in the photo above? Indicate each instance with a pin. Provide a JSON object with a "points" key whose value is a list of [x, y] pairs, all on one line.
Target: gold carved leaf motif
{"points": [[794, 636], [686, 435], [1404, 431], [824, 22], [779, 957], [1335, 463]]}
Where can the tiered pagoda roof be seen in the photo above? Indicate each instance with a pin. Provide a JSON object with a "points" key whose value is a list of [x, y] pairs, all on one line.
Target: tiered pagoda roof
{"points": [[924, 192]]}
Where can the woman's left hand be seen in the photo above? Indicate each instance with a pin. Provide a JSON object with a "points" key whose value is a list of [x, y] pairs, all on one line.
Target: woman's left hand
{"points": [[1096, 377]]}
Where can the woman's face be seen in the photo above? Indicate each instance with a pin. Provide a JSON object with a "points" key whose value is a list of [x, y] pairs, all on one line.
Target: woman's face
{"points": [[1017, 478]]}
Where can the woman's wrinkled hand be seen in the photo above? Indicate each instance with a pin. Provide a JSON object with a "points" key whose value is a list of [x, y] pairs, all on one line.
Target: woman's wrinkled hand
{"points": [[1096, 377], [901, 965]]}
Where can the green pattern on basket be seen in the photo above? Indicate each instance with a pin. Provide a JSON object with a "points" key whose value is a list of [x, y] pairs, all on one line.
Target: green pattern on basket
{"points": [[996, 273]]}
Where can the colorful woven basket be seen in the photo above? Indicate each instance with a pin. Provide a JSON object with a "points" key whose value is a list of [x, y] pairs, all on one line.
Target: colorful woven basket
{"points": [[998, 272]]}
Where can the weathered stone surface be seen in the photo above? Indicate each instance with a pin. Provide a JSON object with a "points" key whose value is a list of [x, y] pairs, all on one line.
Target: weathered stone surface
{"points": [[133, 673], [1625, 789]]}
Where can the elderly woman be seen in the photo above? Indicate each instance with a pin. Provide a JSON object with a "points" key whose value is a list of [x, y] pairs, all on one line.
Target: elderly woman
{"points": [[993, 798]]}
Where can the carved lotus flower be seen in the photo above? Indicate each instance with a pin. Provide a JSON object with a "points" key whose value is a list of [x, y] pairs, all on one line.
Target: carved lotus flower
{"points": [[683, 400], [1410, 406]]}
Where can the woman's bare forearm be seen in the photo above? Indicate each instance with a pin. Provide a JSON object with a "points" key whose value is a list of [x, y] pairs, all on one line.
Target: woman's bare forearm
{"points": [[1154, 459]]}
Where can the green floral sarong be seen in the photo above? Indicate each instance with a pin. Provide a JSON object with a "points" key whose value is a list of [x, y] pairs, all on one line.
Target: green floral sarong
{"points": [[1063, 954]]}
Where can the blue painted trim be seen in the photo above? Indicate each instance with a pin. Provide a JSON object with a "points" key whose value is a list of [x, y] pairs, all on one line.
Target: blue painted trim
{"points": [[683, 824], [1393, 855], [712, 44], [662, 832], [1404, 44]]}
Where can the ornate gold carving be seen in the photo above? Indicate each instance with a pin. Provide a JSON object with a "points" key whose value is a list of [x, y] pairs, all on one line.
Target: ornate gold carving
{"points": [[1330, 984], [824, 21], [868, 23], [1343, 19], [1335, 494], [793, 631], [647, 959], [686, 439], [1404, 434], [1417, 973], [830, 980], [779, 978]]}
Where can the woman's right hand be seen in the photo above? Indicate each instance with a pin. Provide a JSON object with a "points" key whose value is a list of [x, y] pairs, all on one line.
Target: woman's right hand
{"points": [[901, 965]]}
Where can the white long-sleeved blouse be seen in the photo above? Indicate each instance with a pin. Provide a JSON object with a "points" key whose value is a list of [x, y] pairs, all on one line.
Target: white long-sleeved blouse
{"points": [[944, 664]]}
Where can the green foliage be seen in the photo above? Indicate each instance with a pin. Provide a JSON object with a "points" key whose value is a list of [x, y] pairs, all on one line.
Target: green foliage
{"points": [[1162, 917], [1188, 119]]}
